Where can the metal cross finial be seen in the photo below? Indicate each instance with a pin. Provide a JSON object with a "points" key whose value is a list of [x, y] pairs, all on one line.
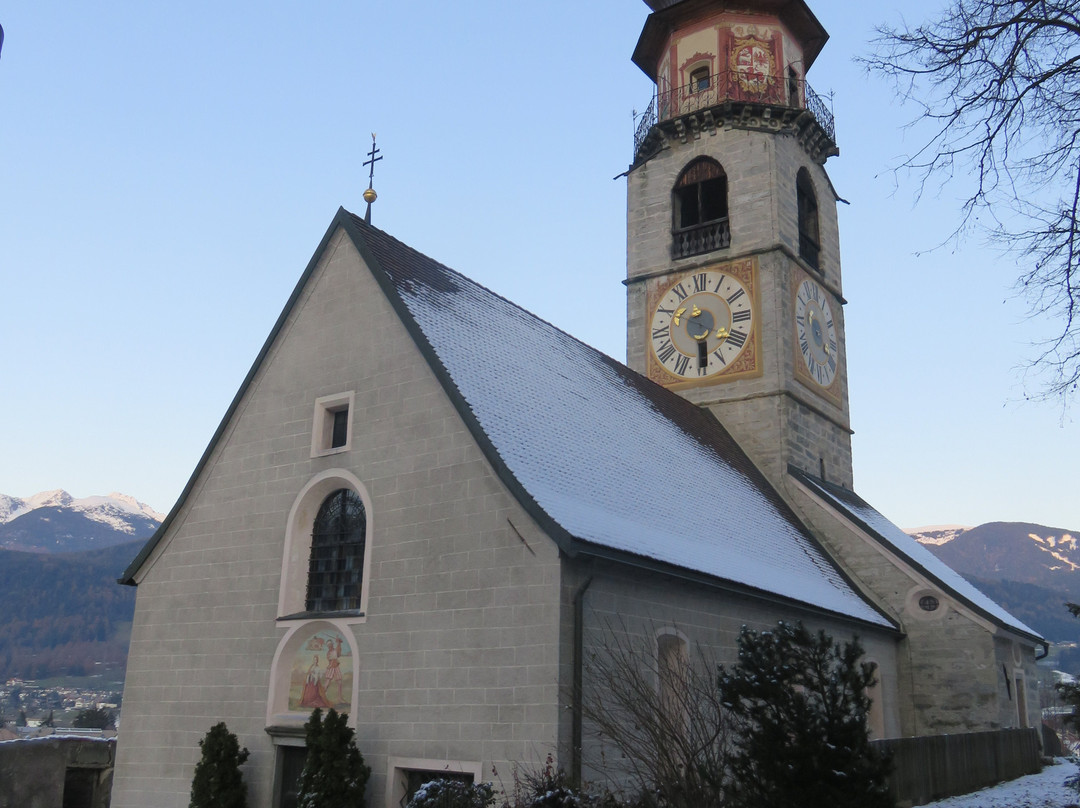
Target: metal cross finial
{"points": [[370, 195]]}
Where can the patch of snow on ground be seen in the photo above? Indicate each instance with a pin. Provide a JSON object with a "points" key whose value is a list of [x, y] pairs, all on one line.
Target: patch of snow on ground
{"points": [[1043, 790]]}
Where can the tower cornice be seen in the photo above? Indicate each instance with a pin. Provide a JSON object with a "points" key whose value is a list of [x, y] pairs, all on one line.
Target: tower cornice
{"points": [[817, 139], [668, 15]]}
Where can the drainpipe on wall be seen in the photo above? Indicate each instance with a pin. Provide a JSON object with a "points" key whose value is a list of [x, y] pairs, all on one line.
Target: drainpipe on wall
{"points": [[579, 662]]}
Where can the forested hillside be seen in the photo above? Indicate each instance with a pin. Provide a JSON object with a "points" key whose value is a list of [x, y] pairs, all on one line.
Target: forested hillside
{"points": [[64, 613]]}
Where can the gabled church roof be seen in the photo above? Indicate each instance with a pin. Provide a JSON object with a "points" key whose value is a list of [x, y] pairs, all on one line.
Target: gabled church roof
{"points": [[606, 460], [877, 527], [609, 463]]}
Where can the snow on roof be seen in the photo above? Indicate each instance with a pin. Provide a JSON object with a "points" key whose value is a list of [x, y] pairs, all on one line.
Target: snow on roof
{"points": [[902, 544], [611, 458]]}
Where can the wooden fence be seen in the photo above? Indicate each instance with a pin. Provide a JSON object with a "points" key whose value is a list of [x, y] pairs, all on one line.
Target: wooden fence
{"points": [[933, 767]]}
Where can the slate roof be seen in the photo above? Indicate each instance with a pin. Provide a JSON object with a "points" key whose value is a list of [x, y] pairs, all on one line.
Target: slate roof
{"points": [[900, 543], [608, 463]]}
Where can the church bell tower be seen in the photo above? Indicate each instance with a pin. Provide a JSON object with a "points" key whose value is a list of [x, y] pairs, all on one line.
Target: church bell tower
{"points": [[733, 264]]}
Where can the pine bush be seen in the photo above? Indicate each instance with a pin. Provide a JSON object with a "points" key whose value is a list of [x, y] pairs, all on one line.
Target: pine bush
{"points": [[218, 782], [800, 705], [334, 774]]}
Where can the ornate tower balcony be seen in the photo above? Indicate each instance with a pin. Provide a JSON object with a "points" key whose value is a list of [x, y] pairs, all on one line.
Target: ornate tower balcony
{"points": [[739, 63], [740, 99]]}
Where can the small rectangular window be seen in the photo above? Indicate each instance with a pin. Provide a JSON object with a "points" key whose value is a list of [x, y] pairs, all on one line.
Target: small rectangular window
{"points": [[699, 80], [331, 428], [341, 428]]}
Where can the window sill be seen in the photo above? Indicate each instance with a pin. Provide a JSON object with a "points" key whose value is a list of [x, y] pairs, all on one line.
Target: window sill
{"points": [[346, 613], [326, 452]]}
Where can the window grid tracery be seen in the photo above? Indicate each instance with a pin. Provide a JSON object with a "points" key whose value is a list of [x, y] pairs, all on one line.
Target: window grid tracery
{"points": [[336, 563]]}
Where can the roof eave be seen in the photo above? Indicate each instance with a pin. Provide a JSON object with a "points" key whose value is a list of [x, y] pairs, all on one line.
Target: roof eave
{"points": [[589, 549], [796, 15], [811, 482]]}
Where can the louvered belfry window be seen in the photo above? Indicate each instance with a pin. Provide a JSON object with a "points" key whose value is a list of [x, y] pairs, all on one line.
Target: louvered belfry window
{"points": [[336, 567]]}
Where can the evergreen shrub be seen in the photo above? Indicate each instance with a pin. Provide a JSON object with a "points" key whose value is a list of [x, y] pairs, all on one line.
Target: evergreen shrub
{"points": [[800, 705], [218, 782], [334, 774]]}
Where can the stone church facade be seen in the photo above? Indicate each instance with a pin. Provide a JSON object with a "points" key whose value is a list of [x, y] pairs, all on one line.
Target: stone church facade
{"points": [[396, 519]]}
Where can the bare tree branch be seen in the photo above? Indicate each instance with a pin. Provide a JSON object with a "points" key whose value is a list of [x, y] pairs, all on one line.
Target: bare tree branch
{"points": [[999, 83], [672, 740]]}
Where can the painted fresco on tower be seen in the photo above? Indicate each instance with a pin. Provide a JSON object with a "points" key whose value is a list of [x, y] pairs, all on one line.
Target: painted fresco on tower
{"points": [[753, 53], [752, 62], [322, 673]]}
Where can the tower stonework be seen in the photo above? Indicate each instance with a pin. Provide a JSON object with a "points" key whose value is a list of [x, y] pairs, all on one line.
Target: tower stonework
{"points": [[734, 294]]}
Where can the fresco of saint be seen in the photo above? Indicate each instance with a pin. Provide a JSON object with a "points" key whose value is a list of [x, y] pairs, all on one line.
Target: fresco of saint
{"points": [[315, 684]]}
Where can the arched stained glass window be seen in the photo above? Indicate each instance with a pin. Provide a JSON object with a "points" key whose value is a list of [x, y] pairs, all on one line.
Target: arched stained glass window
{"points": [[336, 565]]}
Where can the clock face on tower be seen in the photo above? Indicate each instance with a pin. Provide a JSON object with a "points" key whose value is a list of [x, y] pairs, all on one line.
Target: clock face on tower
{"points": [[815, 330], [702, 326]]}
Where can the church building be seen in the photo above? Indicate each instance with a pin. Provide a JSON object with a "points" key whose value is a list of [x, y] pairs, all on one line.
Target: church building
{"points": [[426, 507]]}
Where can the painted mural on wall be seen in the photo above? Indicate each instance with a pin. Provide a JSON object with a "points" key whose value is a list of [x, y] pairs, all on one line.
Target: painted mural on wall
{"points": [[322, 673]]}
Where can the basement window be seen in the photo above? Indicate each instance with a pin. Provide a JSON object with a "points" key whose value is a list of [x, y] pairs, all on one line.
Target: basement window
{"points": [[408, 774]]}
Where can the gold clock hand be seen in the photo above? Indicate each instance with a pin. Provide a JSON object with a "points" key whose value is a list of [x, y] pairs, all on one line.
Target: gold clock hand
{"points": [[722, 333], [679, 313]]}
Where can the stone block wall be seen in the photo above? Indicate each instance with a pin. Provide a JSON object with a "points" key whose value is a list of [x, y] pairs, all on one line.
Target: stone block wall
{"points": [[637, 606], [56, 771], [778, 419], [953, 663], [456, 657]]}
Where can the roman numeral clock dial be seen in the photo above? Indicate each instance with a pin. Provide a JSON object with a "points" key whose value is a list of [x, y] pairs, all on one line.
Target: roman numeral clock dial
{"points": [[703, 326], [815, 335]]}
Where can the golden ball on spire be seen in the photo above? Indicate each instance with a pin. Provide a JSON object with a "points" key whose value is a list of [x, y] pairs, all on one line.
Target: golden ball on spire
{"points": [[370, 195]]}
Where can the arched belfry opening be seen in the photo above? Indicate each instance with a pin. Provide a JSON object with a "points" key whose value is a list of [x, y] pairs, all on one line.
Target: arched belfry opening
{"points": [[809, 228], [700, 209]]}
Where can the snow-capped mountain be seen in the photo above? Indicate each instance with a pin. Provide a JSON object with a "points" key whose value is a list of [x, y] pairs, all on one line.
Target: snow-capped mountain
{"points": [[56, 522], [936, 534], [1032, 570], [1008, 551]]}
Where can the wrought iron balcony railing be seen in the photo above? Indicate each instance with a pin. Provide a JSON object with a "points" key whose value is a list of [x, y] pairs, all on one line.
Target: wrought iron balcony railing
{"points": [[731, 85]]}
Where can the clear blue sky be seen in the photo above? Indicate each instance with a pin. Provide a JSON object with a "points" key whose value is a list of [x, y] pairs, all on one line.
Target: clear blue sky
{"points": [[166, 171]]}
